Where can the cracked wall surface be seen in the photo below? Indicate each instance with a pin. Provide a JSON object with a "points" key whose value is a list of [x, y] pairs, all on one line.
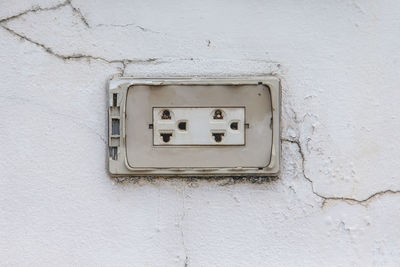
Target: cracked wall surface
{"points": [[336, 202]]}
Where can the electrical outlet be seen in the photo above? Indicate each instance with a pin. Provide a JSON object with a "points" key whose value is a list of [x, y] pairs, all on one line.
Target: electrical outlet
{"points": [[194, 126], [198, 126]]}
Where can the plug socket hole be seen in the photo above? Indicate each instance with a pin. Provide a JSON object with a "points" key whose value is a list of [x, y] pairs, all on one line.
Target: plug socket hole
{"points": [[234, 125], [166, 115], [166, 137], [182, 125], [218, 137], [218, 115]]}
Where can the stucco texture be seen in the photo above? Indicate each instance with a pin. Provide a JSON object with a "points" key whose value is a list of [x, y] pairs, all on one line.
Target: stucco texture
{"points": [[337, 201]]}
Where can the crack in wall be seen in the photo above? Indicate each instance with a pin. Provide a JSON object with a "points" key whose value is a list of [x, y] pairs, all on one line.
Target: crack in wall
{"points": [[35, 9], [186, 262], [123, 68], [124, 62], [49, 50], [334, 198], [78, 13], [127, 25]]}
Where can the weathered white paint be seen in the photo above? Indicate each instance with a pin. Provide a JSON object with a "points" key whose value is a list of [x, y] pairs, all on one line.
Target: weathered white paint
{"points": [[339, 62]]}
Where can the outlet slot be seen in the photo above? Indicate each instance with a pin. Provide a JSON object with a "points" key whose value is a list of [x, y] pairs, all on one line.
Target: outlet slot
{"points": [[218, 137], [166, 137], [234, 125], [182, 125], [166, 115], [218, 115]]}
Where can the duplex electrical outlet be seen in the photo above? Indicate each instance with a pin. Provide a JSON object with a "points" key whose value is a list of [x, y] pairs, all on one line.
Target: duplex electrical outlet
{"points": [[194, 126], [198, 126]]}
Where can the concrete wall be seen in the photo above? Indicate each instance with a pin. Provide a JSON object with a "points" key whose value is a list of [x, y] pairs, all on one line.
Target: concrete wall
{"points": [[337, 201]]}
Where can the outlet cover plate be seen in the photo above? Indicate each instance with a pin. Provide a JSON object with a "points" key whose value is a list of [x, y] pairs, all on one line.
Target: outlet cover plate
{"points": [[136, 147], [199, 127]]}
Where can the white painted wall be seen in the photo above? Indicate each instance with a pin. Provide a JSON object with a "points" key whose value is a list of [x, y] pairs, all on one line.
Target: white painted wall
{"points": [[337, 202]]}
